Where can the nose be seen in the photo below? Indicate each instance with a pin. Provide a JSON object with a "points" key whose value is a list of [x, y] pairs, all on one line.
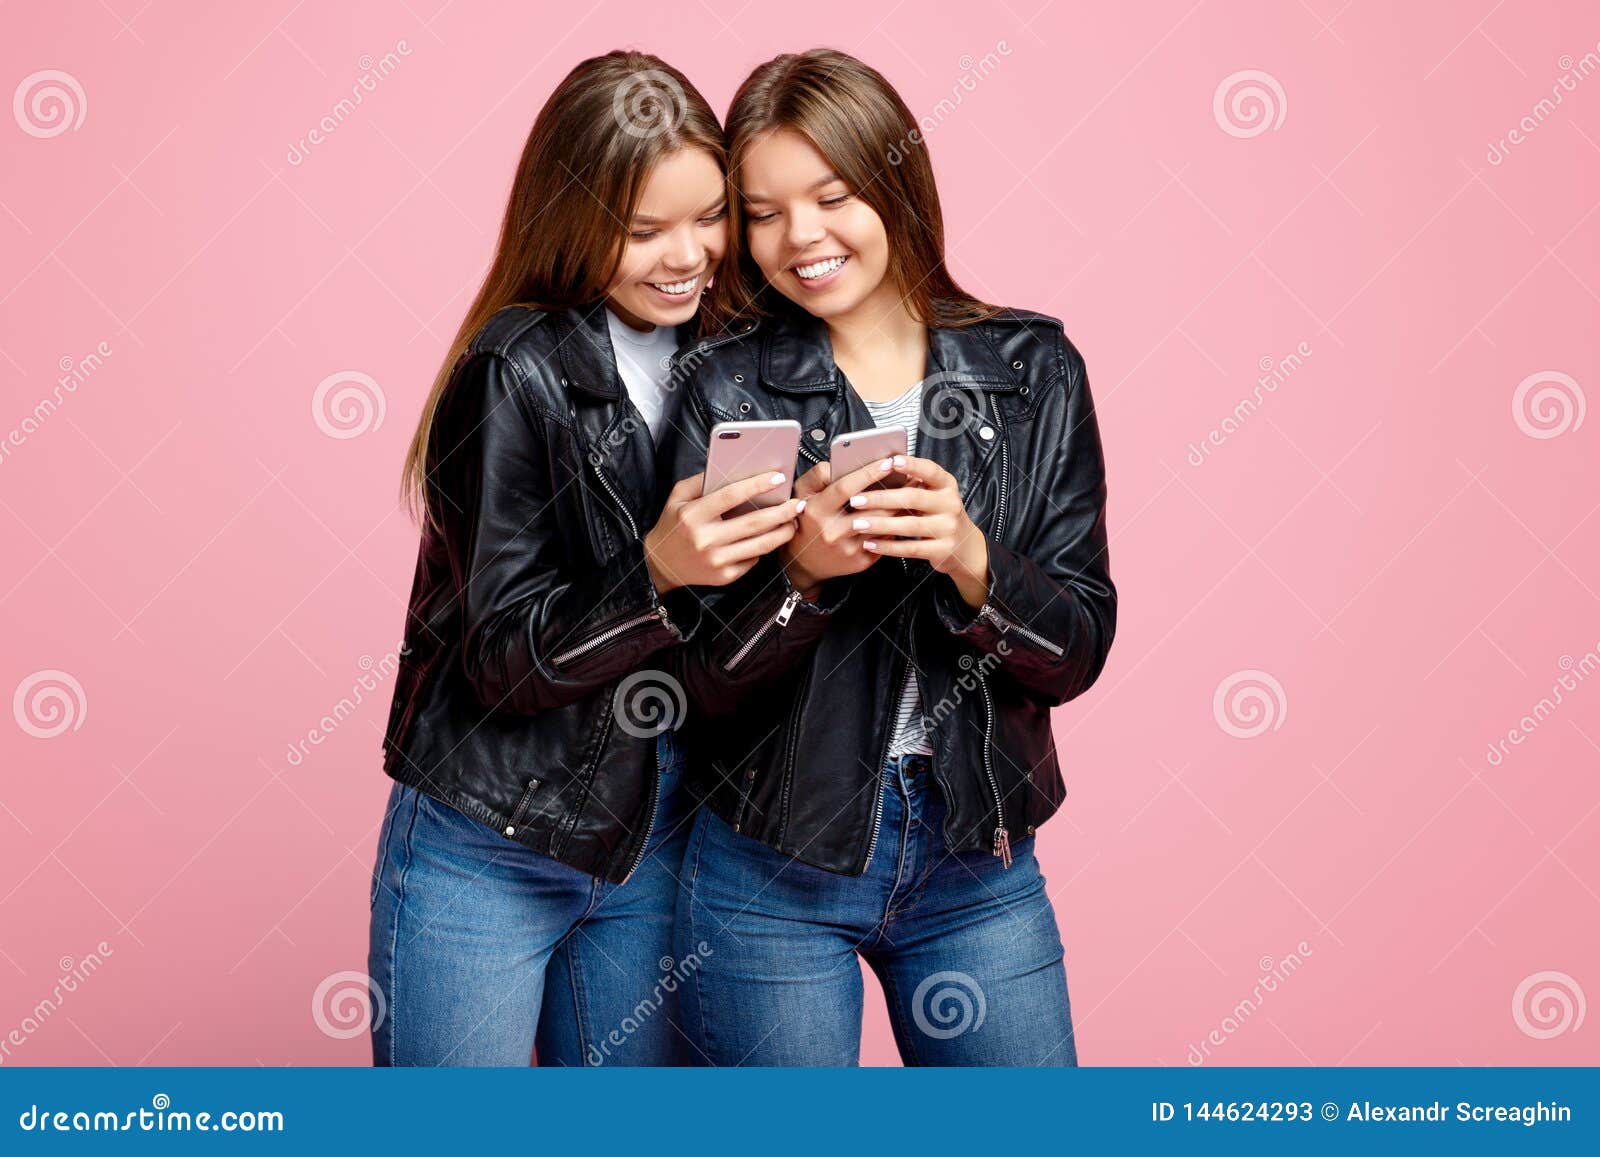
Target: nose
{"points": [[805, 229], [685, 253]]}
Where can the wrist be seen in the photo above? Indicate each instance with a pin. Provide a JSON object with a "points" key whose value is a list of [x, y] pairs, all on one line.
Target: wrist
{"points": [[801, 579]]}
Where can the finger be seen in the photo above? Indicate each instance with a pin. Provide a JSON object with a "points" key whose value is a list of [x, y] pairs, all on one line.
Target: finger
{"points": [[900, 498], [687, 489], [904, 548], [756, 522], [887, 524], [814, 480], [842, 489], [719, 502], [926, 471], [759, 545]]}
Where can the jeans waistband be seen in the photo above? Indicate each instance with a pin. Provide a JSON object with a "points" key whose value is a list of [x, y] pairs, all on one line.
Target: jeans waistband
{"points": [[911, 769]]}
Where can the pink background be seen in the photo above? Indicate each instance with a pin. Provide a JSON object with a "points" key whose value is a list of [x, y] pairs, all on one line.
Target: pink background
{"points": [[1408, 557]]}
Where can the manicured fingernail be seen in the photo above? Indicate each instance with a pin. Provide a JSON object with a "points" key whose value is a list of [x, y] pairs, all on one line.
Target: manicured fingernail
{"points": [[859, 524], [886, 464], [776, 479], [899, 459], [869, 545], [800, 507], [858, 500]]}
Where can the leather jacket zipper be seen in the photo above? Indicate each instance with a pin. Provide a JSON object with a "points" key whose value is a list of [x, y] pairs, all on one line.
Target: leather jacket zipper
{"points": [[606, 483], [650, 824], [1000, 506], [895, 677], [778, 620], [658, 613], [1005, 625], [1002, 837]]}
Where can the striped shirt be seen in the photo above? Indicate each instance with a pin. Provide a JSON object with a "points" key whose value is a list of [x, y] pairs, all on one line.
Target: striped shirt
{"points": [[910, 732]]}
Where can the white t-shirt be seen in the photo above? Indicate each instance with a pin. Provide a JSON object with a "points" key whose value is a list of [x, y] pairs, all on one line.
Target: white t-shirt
{"points": [[642, 360]]}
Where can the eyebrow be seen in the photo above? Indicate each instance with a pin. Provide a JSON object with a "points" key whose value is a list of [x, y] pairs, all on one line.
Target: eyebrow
{"points": [[827, 179], [646, 219]]}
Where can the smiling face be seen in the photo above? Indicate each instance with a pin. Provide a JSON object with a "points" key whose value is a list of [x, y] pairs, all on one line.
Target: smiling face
{"points": [[813, 238], [675, 241]]}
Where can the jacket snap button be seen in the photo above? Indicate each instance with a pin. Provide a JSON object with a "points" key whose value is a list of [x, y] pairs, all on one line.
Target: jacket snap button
{"points": [[1030, 829], [511, 831], [1016, 365], [735, 827], [986, 433], [744, 407], [738, 377], [818, 434], [751, 774], [1023, 391]]}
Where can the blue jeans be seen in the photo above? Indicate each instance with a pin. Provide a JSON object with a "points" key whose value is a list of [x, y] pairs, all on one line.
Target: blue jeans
{"points": [[967, 951], [482, 950]]}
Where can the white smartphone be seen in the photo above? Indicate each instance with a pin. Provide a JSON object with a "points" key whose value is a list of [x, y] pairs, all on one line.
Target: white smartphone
{"points": [[741, 450], [859, 447]]}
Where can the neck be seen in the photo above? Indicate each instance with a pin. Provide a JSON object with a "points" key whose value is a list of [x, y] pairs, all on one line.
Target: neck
{"points": [[880, 320]]}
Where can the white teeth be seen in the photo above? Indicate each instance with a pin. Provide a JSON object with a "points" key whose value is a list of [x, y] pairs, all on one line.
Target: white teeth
{"points": [[808, 272], [675, 287]]}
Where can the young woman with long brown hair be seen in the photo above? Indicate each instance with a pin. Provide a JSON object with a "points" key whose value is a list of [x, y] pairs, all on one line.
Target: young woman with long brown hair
{"points": [[875, 751], [528, 859]]}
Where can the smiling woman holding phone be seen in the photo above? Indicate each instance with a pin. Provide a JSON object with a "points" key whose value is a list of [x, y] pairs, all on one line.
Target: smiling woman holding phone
{"points": [[528, 859], [871, 710]]}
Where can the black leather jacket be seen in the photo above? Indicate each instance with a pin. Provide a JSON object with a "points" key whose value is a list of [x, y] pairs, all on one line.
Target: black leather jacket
{"points": [[536, 647], [793, 701]]}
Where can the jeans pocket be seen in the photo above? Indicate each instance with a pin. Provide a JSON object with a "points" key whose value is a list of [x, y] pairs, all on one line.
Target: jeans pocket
{"points": [[397, 796]]}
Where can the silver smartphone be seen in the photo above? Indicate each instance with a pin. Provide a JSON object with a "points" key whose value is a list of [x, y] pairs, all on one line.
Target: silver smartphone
{"points": [[856, 449], [741, 450]]}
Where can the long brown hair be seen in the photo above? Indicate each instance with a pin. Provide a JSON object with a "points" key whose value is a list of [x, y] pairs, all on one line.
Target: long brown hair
{"points": [[577, 186], [854, 118]]}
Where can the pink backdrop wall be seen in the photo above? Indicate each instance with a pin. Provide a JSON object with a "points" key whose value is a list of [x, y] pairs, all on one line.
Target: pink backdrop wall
{"points": [[1391, 559]]}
